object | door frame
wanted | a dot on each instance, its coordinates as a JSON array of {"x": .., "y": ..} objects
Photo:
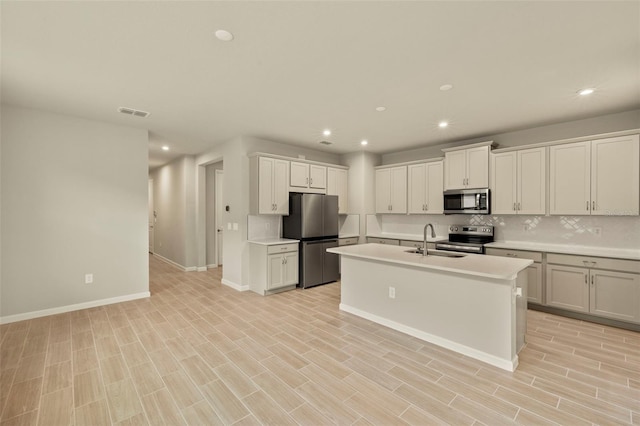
[
  {"x": 151, "y": 217},
  {"x": 219, "y": 203}
]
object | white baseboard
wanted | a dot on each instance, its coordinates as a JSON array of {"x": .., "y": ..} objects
[
  {"x": 177, "y": 265},
  {"x": 201, "y": 269},
  {"x": 509, "y": 365},
  {"x": 75, "y": 307},
  {"x": 212, "y": 266},
  {"x": 234, "y": 285}
]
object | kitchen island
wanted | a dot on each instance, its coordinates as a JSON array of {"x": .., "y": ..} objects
[{"x": 474, "y": 305}]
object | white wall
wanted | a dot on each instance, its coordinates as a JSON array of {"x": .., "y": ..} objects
[
  {"x": 174, "y": 202},
  {"x": 361, "y": 185},
  {"x": 74, "y": 201},
  {"x": 571, "y": 129}
]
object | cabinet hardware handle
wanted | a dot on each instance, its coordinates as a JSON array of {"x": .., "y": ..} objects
[
  {"x": 426, "y": 207},
  {"x": 519, "y": 207},
  {"x": 593, "y": 205},
  {"x": 587, "y": 206},
  {"x": 514, "y": 206},
  {"x": 307, "y": 181},
  {"x": 311, "y": 181},
  {"x": 592, "y": 281},
  {"x": 585, "y": 279}
]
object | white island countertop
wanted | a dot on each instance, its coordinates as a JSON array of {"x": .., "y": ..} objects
[
  {"x": 630, "y": 254},
  {"x": 501, "y": 268},
  {"x": 273, "y": 241},
  {"x": 406, "y": 237}
]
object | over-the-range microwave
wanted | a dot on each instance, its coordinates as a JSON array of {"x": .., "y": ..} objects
[{"x": 467, "y": 201}]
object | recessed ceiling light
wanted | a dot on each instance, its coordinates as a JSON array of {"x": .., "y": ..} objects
[
  {"x": 446, "y": 87},
  {"x": 381, "y": 108},
  {"x": 224, "y": 35},
  {"x": 585, "y": 92},
  {"x": 165, "y": 148},
  {"x": 326, "y": 132},
  {"x": 364, "y": 142},
  {"x": 443, "y": 124}
]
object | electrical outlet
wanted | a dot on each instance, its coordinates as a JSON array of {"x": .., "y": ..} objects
[
  {"x": 596, "y": 231},
  {"x": 88, "y": 278},
  {"x": 525, "y": 227},
  {"x": 229, "y": 226},
  {"x": 392, "y": 292},
  {"x": 235, "y": 226}
]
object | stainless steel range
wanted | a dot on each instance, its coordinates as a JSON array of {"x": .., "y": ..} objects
[{"x": 467, "y": 239}]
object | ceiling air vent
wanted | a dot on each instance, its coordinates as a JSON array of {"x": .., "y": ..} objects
[
  {"x": 134, "y": 112},
  {"x": 326, "y": 142}
]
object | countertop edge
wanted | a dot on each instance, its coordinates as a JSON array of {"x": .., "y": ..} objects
[
  {"x": 628, "y": 254},
  {"x": 273, "y": 241}
]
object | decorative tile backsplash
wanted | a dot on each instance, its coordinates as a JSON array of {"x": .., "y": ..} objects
[{"x": 603, "y": 231}]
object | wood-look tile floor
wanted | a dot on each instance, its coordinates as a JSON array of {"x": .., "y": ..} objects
[{"x": 199, "y": 353}]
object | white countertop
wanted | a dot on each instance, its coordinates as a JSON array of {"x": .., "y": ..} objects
[
  {"x": 501, "y": 268},
  {"x": 273, "y": 241},
  {"x": 567, "y": 249},
  {"x": 408, "y": 237}
]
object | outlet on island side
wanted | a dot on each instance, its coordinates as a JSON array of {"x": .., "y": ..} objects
[
  {"x": 88, "y": 278},
  {"x": 392, "y": 292}
]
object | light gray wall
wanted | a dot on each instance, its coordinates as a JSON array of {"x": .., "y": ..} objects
[
  {"x": 74, "y": 201},
  {"x": 174, "y": 202},
  {"x": 361, "y": 185},
  {"x": 211, "y": 211},
  {"x": 571, "y": 129}
]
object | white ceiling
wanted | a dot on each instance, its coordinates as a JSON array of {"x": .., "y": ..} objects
[{"x": 296, "y": 68}]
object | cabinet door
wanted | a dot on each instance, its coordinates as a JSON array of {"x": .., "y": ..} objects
[
  {"x": 478, "y": 167},
  {"x": 265, "y": 186},
  {"x": 615, "y": 176},
  {"x": 615, "y": 295},
  {"x": 383, "y": 190},
  {"x": 570, "y": 178},
  {"x": 531, "y": 181},
  {"x": 455, "y": 169},
  {"x": 398, "y": 193},
  {"x": 317, "y": 176},
  {"x": 275, "y": 271},
  {"x": 337, "y": 184},
  {"x": 435, "y": 187},
  {"x": 290, "y": 272},
  {"x": 534, "y": 286},
  {"x": 417, "y": 175},
  {"x": 280, "y": 189},
  {"x": 568, "y": 287},
  {"x": 299, "y": 174},
  {"x": 503, "y": 183}
]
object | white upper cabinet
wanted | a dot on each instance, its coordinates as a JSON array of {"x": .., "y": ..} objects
[
  {"x": 600, "y": 177},
  {"x": 305, "y": 176},
  {"x": 269, "y": 186},
  {"x": 615, "y": 176},
  {"x": 338, "y": 184},
  {"x": 467, "y": 168},
  {"x": 391, "y": 190},
  {"x": 518, "y": 182},
  {"x": 425, "y": 188}
]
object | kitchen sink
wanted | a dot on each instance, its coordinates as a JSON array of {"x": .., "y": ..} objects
[{"x": 437, "y": 253}]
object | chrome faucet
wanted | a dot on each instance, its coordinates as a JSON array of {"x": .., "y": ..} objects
[{"x": 425, "y": 251}]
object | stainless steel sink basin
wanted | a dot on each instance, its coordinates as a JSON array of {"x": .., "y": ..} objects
[{"x": 437, "y": 253}]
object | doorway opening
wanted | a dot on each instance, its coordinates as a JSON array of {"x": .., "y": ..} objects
[{"x": 214, "y": 214}]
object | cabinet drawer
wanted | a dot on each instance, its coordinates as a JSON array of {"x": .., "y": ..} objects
[
  {"x": 520, "y": 254},
  {"x": 347, "y": 241},
  {"x": 416, "y": 244},
  {"x": 595, "y": 262},
  {"x": 388, "y": 241},
  {"x": 282, "y": 248}
]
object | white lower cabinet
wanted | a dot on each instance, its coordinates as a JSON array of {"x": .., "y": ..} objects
[
  {"x": 535, "y": 275},
  {"x": 273, "y": 267},
  {"x": 603, "y": 292}
]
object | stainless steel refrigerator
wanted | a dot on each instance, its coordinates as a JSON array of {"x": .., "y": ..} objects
[{"x": 313, "y": 219}]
